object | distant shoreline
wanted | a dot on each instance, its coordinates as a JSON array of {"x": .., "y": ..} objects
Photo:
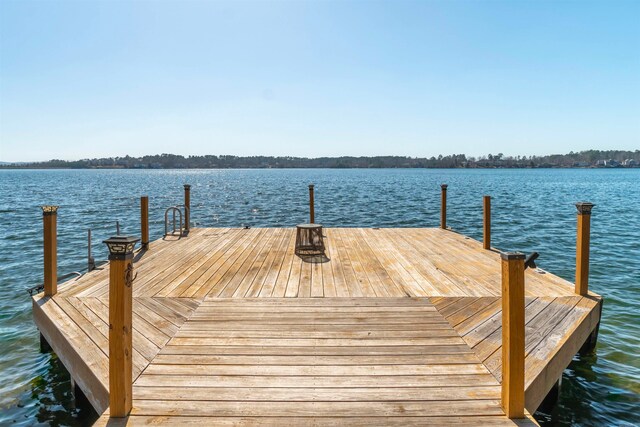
[
  {"x": 595, "y": 159},
  {"x": 3, "y": 167}
]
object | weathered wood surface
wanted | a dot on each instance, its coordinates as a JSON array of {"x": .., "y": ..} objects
[
  {"x": 398, "y": 325},
  {"x": 78, "y": 329},
  {"x": 555, "y": 329},
  {"x": 276, "y": 361},
  {"x": 363, "y": 262}
]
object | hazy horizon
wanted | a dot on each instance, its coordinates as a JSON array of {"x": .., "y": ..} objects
[{"x": 317, "y": 79}]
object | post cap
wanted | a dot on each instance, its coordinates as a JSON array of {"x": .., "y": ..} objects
[
  {"x": 509, "y": 256},
  {"x": 121, "y": 247},
  {"x": 187, "y": 186},
  {"x": 584, "y": 208},
  {"x": 49, "y": 210},
  {"x": 444, "y": 187},
  {"x": 310, "y": 186}
]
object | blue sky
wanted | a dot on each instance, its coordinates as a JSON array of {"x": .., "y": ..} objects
[{"x": 91, "y": 79}]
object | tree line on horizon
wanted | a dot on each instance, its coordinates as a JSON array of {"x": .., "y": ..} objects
[{"x": 589, "y": 158}]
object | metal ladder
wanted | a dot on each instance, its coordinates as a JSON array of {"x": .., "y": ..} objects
[{"x": 173, "y": 210}]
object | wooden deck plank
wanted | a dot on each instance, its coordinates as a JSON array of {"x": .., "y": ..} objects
[
  {"x": 205, "y": 284},
  {"x": 300, "y": 394},
  {"x": 317, "y": 280},
  {"x": 139, "y": 361},
  {"x": 282, "y": 279},
  {"x": 180, "y": 267},
  {"x": 378, "y": 350},
  {"x": 293, "y": 283},
  {"x": 304, "y": 287},
  {"x": 190, "y": 283},
  {"x": 207, "y": 254},
  {"x": 399, "y": 269},
  {"x": 268, "y": 274},
  {"x": 353, "y": 287},
  {"x": 362, "y": 275},
  {"x": 243, "y": 279},
  {"x": 238, "y": 267},
  {"x": 334, "y": 409},
  {"x": 361, "y": 381},
  {"x": 314, "y": 360},
  {"x": 316, "y": 371}
]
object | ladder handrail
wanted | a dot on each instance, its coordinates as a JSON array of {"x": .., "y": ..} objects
[{"x": 173, "y": 210}]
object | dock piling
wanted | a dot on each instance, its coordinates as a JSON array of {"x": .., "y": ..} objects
[
  {"x": 486, "y": 222},
  {"x": 443, "y": 206},
  {"x": 582, "y": 247},
  {"x": 45, "y": 347},
  {"x": 120, "y": 324},
  {"x": 513, "y": 334},
  {"x": 50, "y": 219},
  {"x": 144, "y": 222},
  {"x": 312, "y": 214},
  {"x": 187, "y": 206},
  {"x": 91, "y": 262}
]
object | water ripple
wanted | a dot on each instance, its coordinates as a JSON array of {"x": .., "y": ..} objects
[{"x": 532, "y": 211}]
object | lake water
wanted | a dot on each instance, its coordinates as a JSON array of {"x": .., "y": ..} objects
[{"x": 532, "y": 210}]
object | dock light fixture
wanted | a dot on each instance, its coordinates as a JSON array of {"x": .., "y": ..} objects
[
  {"x": 49, "y": 210},
  {"x": 121, "y": 247}
]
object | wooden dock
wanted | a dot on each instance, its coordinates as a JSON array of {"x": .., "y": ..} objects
[{"x": 396, "y": 326}]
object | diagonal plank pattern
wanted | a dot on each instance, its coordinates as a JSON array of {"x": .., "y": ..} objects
[
  {"x": 399, "y": 326},
  {"x": 84, "y": 345},
  {"x": 479, "y": 322},
  {"x": 260, "y": 262}
]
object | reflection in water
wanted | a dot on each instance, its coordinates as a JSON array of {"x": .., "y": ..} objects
[
  {"x": 48, "y": 400},
  {"x": 53, "y": 400},
  {"x": 587, "y": 395}
]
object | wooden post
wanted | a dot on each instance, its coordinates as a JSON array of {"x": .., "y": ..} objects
[
  {"x": 187, "y": 204},
  {"x": 486, "y": 223},
  {"x": 312, "y": 214},
  {"x": 49, "y": 219},
  {"x": 443, "y": 206},
  {"x": 513, "y": 334},
  {"x": 91, "y": 262},
  {"x": 120, "y": 325},
  {"x": 582, "y": 247},
  {"x": 144, "y": 222}
]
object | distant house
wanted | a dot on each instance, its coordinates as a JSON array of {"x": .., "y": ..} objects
[
  {"x": 601, "y": 163},
  {"x": 630, "y": 163},
  {"x": 612, "y": 163}
]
